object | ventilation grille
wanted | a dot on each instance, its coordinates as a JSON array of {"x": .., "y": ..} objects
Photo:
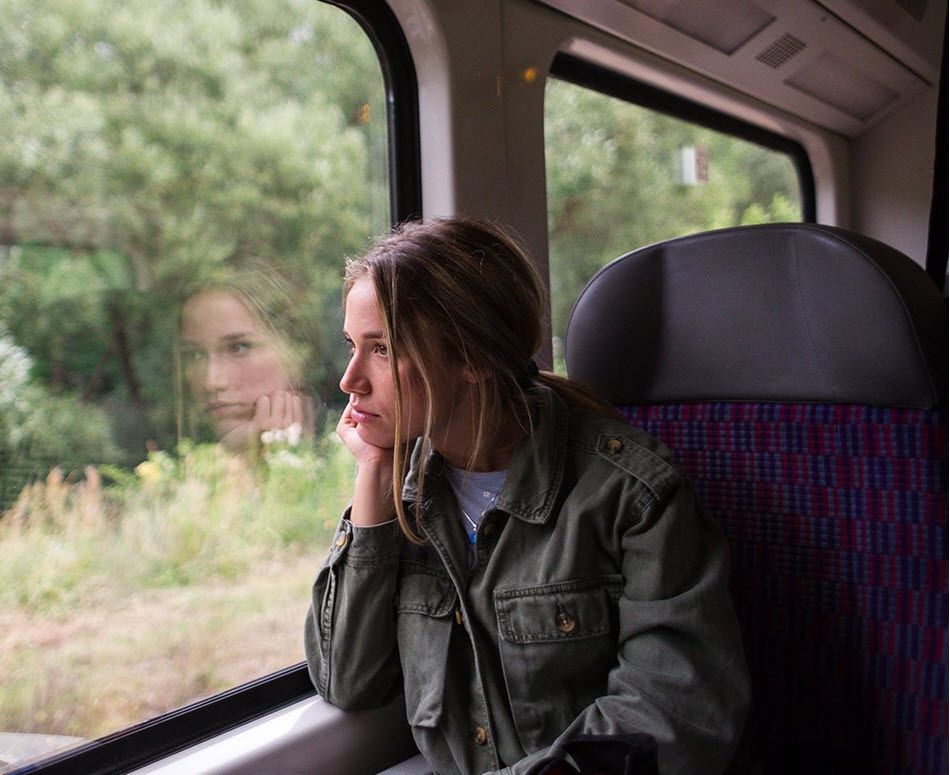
[
  {"x": 916, "y": 8},
  {"x": 781, "y": 51}
]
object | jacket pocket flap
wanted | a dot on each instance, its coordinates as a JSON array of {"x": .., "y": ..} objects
[
  {"x": 564, "y": 610},
  {"x": 427, "y": 594}
]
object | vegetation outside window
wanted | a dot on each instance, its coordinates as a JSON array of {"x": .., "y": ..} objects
[
  {"x": 622, "y": 176},
  {"x": 181, "y": 182}
]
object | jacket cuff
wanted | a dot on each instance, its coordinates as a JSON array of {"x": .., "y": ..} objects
[{"x": 359, "y": 545}]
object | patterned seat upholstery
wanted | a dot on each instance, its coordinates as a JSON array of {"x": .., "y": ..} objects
[{"x": 832, "y": 490}]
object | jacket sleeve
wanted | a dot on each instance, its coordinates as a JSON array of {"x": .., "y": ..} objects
[
  {"x": 350, "y": 631},
  {"x": 680, "y": 675}
]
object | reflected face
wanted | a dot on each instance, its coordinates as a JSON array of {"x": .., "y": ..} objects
[
  {"x": 369, "y": 382},
  {"x": 228, "y": 360}
]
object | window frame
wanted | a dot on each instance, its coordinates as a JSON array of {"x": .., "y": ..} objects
[
  {"x": 581, "y": 72},
  {"x": 155, "y": 738},
  {"x": 402, "y": 102}
]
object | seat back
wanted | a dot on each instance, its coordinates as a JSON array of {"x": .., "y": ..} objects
[{"x": 798, "y": 372}]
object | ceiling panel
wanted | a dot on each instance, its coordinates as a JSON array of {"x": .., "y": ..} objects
[{"x": 840, "y": 64}]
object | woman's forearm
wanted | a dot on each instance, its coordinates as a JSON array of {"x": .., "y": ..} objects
[
  {"x": 350, "y": 632},
  {"x": 373, "y": 494}
]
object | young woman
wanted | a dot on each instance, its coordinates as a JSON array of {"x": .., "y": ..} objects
[
  {"x": 542, "y": 570},
  {"x": 242, "y": 353}
]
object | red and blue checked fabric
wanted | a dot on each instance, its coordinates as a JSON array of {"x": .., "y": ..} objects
[{"x": 837, "y": 522}]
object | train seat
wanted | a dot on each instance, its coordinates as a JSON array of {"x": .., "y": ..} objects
[{"x": 799, "y": 373}]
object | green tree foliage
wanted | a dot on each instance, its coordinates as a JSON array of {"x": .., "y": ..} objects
[
  {"x": 614, "y": 183},
  {"x": 39, "y": 430},
  {"x": 146, "y": 143}
]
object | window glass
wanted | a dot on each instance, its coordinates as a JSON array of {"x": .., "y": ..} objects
[
  {"x": 180, "y": 181},
  {"x": 621, "y": 176}
]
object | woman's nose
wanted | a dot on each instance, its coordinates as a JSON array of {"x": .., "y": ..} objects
[
  {"x": 353, "y": 379},
  {"x": 216, "y": 376}
]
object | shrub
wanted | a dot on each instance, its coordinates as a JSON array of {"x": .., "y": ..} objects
[{"x": 175, "y": 519}]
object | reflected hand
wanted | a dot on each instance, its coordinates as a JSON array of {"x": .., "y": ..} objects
[{"x": 285, "y": 412}]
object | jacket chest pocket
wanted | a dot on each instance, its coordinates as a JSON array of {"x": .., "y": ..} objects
[
  {"x": 424, "y": 608},
  {"x": 558, "y": 642}
]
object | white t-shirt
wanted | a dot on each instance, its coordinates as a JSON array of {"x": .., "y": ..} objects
[{"x": 476, "y": 492}]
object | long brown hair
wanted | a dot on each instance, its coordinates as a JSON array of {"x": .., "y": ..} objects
[{"x": 462, "y": 290}]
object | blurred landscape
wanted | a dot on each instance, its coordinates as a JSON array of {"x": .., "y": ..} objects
[{"x": 187, "y": 577}]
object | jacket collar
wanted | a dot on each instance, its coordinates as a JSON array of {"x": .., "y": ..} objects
[{"x": 536, "y": 470}]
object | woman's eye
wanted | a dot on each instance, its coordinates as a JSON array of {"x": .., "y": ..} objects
[
  {"x": 239, "y": 348},
  {"x": 192, "y": 356},
  {"x": 381, "y": 349}
]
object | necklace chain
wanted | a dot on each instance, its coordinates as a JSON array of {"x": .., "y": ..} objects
[
  {"x": 474, "y": 531},
  {"x": 471, "y": 521}
]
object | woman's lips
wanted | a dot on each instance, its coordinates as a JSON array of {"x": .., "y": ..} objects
[{"x": 360, "y": 416}]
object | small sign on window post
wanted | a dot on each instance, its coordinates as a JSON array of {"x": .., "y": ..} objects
[{"x": 694, "y": 165}]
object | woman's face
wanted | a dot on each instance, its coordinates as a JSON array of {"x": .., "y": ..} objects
[
  {"x": 368, "y": 380},
  {"x": 229, "y": 361}
]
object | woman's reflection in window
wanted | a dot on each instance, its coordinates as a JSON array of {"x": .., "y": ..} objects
[{"x": 243, "y": 349}]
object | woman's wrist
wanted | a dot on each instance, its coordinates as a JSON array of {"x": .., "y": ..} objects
[{"x": 373, "y": 493}]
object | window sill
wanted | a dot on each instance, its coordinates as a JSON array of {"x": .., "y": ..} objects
[{"x": 308, "y": 736}]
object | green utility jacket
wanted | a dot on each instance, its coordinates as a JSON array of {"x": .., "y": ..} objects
[{"x": 597, "y": 605}]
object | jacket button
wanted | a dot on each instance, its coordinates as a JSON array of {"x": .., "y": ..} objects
[
  {"x": 341, "y": 540},
  {"x": 614, "y": 446},
  {"x": 488, "y": 528},
  {"x": 565, "y": 623},
  {"x": 481, "y": 735}
]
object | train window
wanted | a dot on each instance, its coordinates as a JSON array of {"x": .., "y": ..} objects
[
  {"x": 182, "y": 182},
  {"x": 628, "y": 166}
]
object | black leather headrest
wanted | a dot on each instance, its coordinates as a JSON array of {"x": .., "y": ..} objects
[{"x": 779, "y": 312}]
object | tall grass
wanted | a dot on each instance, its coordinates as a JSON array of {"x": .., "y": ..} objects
[
  {"x": 175, "y": 520},
  {"x": 124, "y": 594}
]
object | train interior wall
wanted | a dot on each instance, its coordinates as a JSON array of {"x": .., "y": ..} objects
[{"x": 892, "y": 168}]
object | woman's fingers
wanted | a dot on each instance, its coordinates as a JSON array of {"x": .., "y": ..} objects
[
  {"x": 279, "y": 409},
  {"x": 295, "y": 410},
  {"x": 346, "y": 430},
  {"x": 283, "y": 416},
  {"x": 308, "y": 415},
  {"x": 346, "y": 421},
  {"x": 262, "y": 413}
]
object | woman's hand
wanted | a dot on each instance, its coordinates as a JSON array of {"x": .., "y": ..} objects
[
  {"x": 363, "y": 451},
  {"x": 285, "y": 415},
  {"x": 372, "y": 491}
]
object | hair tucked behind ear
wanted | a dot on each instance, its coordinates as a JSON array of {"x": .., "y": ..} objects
[{"x": 462, "y": 290}]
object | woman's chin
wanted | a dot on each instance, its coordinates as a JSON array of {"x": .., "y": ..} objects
[{"x": 226, "y": 426}]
